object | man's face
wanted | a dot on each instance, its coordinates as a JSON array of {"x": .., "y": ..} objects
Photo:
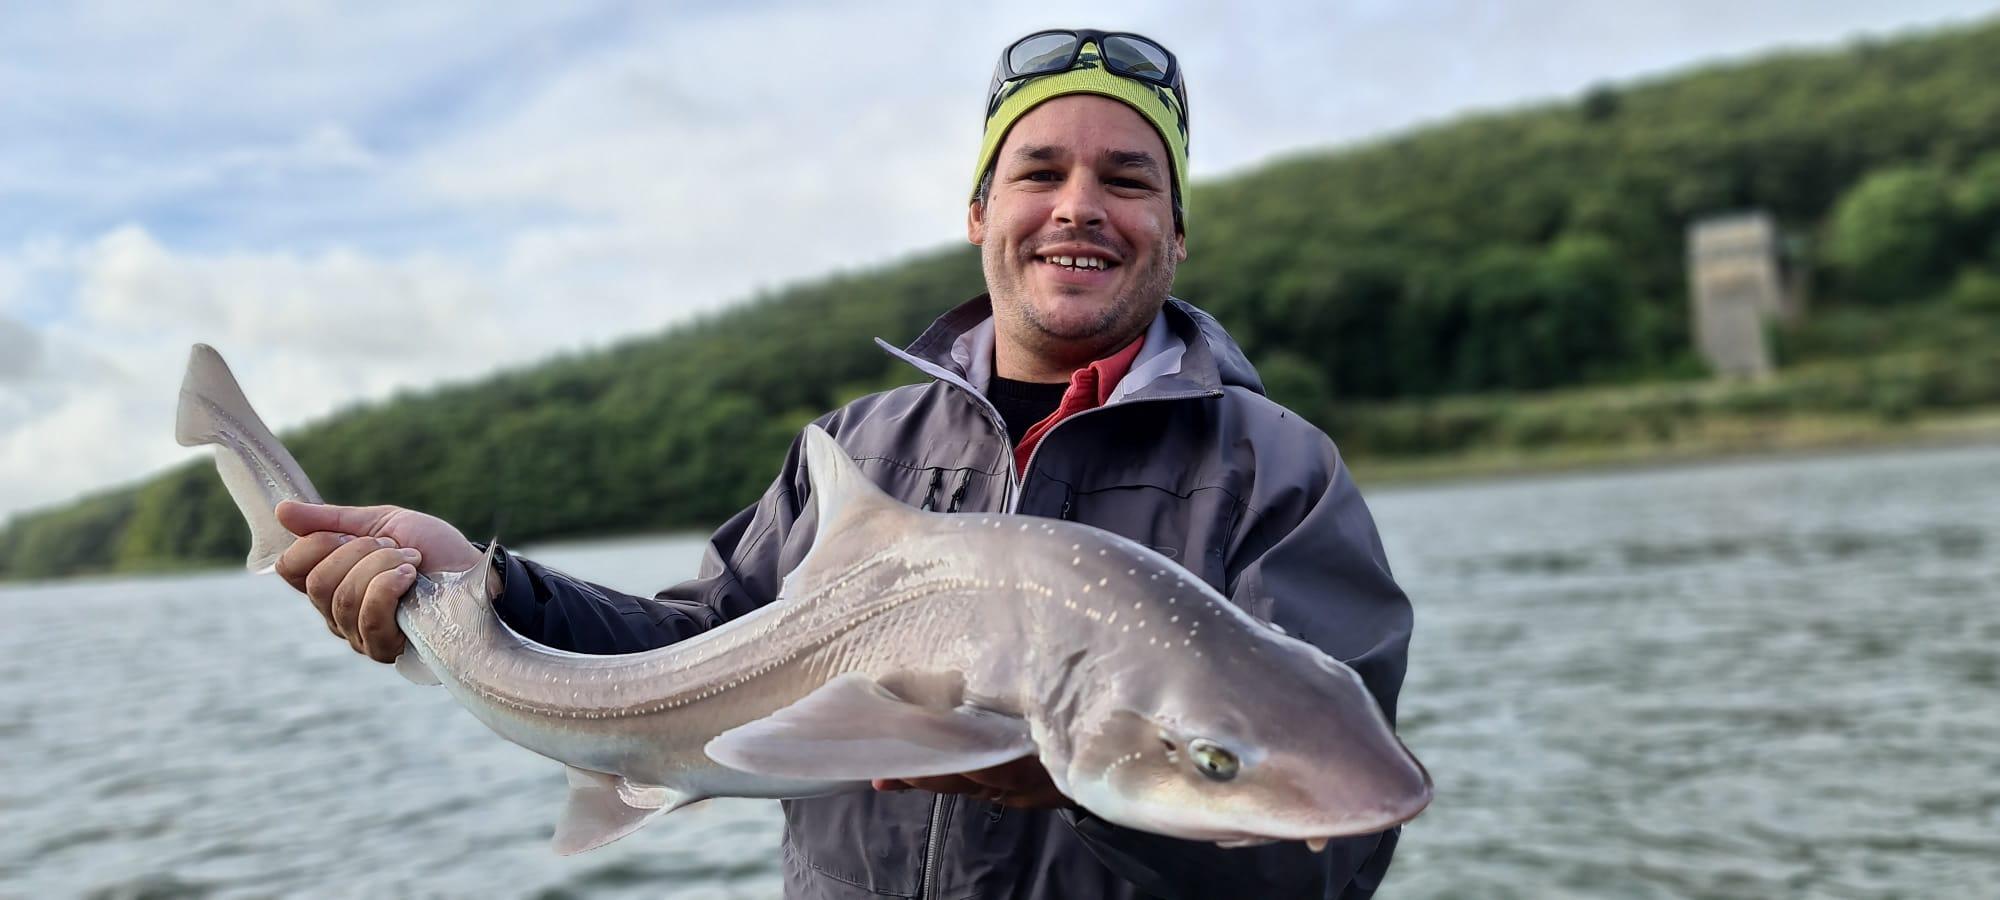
[{"x": 1083, "y": 177}]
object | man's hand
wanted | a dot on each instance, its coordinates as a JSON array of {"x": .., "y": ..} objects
[
  {"x": 1021, "y": 784},
  {"x": 355, "y": 563}
]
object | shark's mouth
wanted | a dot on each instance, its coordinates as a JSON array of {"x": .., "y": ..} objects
[{"x": 1232, "y": 829}]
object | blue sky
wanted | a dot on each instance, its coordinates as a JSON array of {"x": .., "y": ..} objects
[{"x": 353, "y": 198}]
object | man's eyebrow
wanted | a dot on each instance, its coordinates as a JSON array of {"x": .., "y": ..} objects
[
  {"x": 1132, "y": 159},
  {"x": 1037, "y": 153},
  {"x": 1122, "y": 159}
]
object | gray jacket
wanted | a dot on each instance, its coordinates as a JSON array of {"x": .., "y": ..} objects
[{"x": 1189, "y": 457}]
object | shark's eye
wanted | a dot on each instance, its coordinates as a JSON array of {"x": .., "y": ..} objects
[{"x": 1215, "y": 762}]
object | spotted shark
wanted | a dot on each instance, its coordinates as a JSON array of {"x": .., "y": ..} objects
[{"x": 905, "y": 644}]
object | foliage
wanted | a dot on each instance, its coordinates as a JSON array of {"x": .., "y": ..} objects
[
  {"x": 1892, "y": 388},
  {"x": 1379, "y": 286},
  {"x": 1977, "y": 292},
  {"x": 1891, "y": 236}
]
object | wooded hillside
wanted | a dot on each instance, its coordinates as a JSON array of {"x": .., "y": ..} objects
[{"x": 1517, "y": 251}]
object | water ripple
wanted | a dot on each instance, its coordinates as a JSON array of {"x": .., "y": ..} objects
[{"x": 1755, "y": 680}]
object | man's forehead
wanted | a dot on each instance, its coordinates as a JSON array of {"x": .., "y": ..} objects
[{"x": 1084, "y": 124}]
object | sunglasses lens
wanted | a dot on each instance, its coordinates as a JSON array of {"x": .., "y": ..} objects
[
  {"x": 1135, "y": 57},
  {"x": 1041, "y": 53}
]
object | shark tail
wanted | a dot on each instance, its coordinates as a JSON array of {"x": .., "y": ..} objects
[{"x": 258, "y": 471}]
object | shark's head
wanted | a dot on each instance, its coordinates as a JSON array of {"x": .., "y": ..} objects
[{"x": 1260, "y": 740}]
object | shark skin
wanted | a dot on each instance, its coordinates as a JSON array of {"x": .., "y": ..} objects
[{"x": 905, "y": 644}]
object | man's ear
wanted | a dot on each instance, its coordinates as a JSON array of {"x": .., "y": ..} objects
[
  {"x": 1180, "y": 246},
  {"x": 975, "y": 222}
]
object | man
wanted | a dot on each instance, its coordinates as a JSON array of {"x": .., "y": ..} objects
[{"x": 1076, "y": 388}]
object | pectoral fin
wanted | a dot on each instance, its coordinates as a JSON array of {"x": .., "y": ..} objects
[
  {"x": 852, "y": 728},
  {"x": 603, "y": 808},
  {"x": 411, "y": 666}
]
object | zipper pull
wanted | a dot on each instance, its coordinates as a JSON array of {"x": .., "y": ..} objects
[
  {"x": 958, "y": 494},
  {"x": 930, "y": 496},
  {"x": 1068, "y": 493}
]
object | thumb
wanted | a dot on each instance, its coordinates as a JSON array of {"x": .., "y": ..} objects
[{"x": 305, "y": 518}]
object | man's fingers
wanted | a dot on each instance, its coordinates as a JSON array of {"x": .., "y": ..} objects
[
  {"x": 1011, "y": 784},
  {"x": 347, "y": 597},
  {"x": 1021, "y": 774},
  {"x": 326, "y": 577},
  {"x": 995, "y": 777},
  {"x": 376, "y": 622},
  {"x": 306, "y": 518},
  {"x": 945, "y": 784},
  {"x": 1045, "y": 798},
  {"x": 299, "y": 559}
]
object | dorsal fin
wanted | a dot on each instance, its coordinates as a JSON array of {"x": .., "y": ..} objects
[
  {"x": 840, "y": 492},
  {"x": 838, "y": 485}
]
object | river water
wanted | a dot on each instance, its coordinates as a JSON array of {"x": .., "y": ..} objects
[{"x": 1763, "y": 679}]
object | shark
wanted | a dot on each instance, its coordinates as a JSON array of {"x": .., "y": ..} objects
[{"x": 904, "y": 644}]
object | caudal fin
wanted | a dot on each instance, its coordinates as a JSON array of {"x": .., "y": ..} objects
[{"x": 259, "y": 471}]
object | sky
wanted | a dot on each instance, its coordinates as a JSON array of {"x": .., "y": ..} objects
[{"x": 351, "y": 199}]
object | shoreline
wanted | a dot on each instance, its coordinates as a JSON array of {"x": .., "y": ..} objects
[
  {"x": 1795, "y": 437},
  {"x": 1718, "y": 441}
]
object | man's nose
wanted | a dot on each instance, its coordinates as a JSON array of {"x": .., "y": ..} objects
[{"x": 1081, "y": 202}]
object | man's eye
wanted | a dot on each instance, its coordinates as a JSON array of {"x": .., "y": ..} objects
[
  {"x": 1130, "y": 183},
  {"x": 1042, "y": 176}
]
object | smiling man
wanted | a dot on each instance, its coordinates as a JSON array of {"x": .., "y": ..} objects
[
  {"x": 1075, "y": 388},
  {"x": 1077, "y": 235}
]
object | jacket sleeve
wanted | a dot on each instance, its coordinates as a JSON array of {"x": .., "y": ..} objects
[
  {"x": 740, "y": 571},
  {"x": 1307, "y": 557}
]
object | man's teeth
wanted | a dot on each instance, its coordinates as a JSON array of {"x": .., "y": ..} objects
[{"x": 1077, "y": 262}]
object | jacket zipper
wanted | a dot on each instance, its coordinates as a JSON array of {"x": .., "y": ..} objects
[
  {"x": 1010, "y": 502},
  {"x": 1014, "y": 501},
  {"x": 933, "y": 850},
  {"x": 927, "y": 889}
]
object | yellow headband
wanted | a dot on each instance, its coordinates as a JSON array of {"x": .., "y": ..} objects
[{"x": 1157, "y": 105}]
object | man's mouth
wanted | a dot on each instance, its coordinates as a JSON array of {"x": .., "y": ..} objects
[
  {"x": 1078, "y": 258},
  {"x": 1079, "y": 263}
]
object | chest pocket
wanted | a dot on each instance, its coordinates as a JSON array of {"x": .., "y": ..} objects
[
  {"x": 946, "y": 491},
  {"x": 931, "y": 488},
  {"x": 1193, "y": 530}
]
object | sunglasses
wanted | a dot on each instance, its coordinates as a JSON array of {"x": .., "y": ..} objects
[{"x": 1125, "y": 54}]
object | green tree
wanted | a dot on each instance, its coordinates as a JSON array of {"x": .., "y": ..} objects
[
  {"x": 1976, "y": 206},
  {"x": 1891, "y": 237},
  {"x": 1298, "y": 384}
]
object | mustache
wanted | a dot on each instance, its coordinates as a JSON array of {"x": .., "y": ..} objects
[{"x": 1092, "y": 236}]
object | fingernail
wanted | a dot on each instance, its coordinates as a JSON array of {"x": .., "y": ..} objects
[
  {"x": 411, "y": 554},
  {"x": 342, "y": 539},
  {"x": 385, "y": 542},
  {"x": 406, "y": 570}
]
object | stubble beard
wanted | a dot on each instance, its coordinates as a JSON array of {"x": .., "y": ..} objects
[{"x": 1076, "y": 342}]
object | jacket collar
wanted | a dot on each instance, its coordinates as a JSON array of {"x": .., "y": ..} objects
[{"x": 958, "y": 348}]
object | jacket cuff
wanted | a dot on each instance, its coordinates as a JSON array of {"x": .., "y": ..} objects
[{"x": 517, "y": 604}]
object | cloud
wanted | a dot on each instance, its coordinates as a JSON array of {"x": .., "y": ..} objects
[
  {"x": 20, "y": 351},
  {"x": 351, "y": 204},
  {"x": 306, "y": 333}
]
